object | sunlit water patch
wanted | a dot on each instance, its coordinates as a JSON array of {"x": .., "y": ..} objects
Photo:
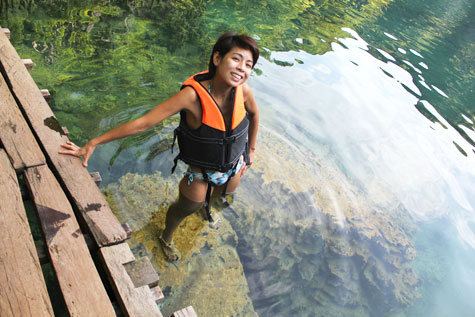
[{"x": 362, "y": 112}]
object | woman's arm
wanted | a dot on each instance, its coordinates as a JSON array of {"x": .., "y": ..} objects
[
  {"x": 184, "y": 99},
  {"x": 253, "y": 115}
]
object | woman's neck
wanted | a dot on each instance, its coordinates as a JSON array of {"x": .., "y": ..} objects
[{"x": 218, "y": 89}]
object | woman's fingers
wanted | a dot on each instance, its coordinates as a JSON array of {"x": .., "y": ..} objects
[{"x": 72, "y": 149}]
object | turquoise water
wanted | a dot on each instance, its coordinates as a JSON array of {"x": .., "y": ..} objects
[{"x": 367, "y": 131}]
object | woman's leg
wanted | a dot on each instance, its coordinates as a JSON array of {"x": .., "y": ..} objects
[{"x": 191, "y": 198}]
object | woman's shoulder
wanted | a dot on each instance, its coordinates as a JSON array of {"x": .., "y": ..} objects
[
  {"x": 188, "y": 94},
  {"x": 188, "y": 98},
  {"x": 247, "y": 91}
]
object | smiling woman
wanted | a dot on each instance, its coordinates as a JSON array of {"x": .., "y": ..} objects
[{"x": 217, "y": 132}]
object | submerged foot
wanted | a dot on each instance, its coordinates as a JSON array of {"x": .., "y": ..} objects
[{"x": 171, "y": 252}]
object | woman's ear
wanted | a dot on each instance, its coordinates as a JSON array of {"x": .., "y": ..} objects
[{"x": 216, "y": 58}]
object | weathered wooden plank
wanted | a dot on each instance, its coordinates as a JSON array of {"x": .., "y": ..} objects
[
  {"x": 134, "y": 301},
  {"x": 185, "y": 312},
  {"x": 15, "y": 134},
  {"x": 81, "y": 286},
  {"x": 43, "y": 252},
  {"x": 101, "y": 221},
  {"x": 22, "y": 287}
]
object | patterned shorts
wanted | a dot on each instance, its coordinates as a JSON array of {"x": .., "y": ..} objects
[{"x": 218, "y": 178}]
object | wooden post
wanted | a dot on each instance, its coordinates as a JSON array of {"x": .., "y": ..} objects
[
  {"x": 157, "y": 294},
  {"x": 142, "y": 273},
  {"x": 6, "y": 32},
  {"x": 96, "y": 177},
  {"x": 46, "y": 94},
  {"x": 127, "y": 229},
  {"x": 28, "y": 63}
]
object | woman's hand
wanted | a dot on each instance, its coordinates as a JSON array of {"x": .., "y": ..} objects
[{"x": 72, "y": 149}]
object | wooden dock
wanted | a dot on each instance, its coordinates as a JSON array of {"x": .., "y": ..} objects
[{"x": 77, "y": 223}]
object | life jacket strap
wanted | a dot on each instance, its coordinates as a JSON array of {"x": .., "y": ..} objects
[
  {"x": 208, "y": 195},
  {"x": 174, "y": 138},
  {"x": 175, "y": 162},
  {"x": 247, "y": 158}
]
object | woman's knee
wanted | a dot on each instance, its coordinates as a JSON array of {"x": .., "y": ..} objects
[
  {"x": 194, "y": 191},
  {"x": 188, "y": 206}
]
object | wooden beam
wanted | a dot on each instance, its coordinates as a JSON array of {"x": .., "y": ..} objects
[
  {"x": 28, "y": 63},
  {"x": 15, "y": 133},
  {"x": 135, "y": 301},
  {"x": 96, "y": 212},
  {"x": 96, "y": 177},
  {"x": 157, "y": 294},
  {"x": 185, "y": 312},
  {"x": 6, "y": 32},
  {"x": 46, "y": 94},
  {"x": 142, "y": 273},
  {"x": 22, "y": 287},
  {"x": 127, "y": 229},
  {"x": 79, "y": 281}
]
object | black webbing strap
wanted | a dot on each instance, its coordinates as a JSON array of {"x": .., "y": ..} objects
[
  {"x": 174, "y": 138},
  {"x": 175, "y": 162},
  {"x": 208, "y": 196}
]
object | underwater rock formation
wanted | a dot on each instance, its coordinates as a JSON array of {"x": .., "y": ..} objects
[
  {"x": 337, "y": 250},
  {"x": 310, "y": 241},
  {"x": 209, "y": 276}
]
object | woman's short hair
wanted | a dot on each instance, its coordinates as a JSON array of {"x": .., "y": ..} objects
[{"x": 230, "y": 40}]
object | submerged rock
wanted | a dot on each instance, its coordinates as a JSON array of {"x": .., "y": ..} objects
[
  {"x": 209, "y": 276},
  {"x": 310, "y": 241},
  {"x": 336, "y": 249}
]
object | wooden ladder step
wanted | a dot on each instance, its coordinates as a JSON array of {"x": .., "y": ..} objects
[{"x": 22, "y": 286}]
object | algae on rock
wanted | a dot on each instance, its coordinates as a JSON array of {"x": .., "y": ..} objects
[
  {"x": 335, "y": 248},
  {"x": 209, "y": 276}
]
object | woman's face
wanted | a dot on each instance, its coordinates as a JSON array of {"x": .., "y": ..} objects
[{"x": 235, "y": 67}]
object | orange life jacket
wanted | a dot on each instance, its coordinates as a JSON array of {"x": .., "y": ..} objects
[{"x": 213, "y": 146}]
